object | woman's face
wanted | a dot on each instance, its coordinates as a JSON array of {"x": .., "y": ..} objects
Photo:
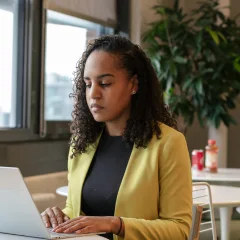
[{"x": 108, "y": 88}]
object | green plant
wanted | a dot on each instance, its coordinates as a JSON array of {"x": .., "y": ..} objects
[{"x": 197, "y": 58}]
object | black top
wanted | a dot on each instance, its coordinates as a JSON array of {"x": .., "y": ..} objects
[{"x": 104, "y": 177}]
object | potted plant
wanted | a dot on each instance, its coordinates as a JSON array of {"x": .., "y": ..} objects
[{"x": 197, "y": 58}]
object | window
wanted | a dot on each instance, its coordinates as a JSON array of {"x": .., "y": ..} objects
[
  {"x": 20, "y": 68},
  {"x": 11, "y": 63},
  {"x": 66, "y": 38}
]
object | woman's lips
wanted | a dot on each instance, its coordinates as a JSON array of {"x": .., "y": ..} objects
[{"x": 96, "y": 107}]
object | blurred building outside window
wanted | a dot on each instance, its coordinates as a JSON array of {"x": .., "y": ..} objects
[{"x": 66, "y": 38}]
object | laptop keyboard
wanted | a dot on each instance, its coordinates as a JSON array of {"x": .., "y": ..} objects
[
  {"x": 61, "y": 235},
  {"x": 55, "y": 235}
]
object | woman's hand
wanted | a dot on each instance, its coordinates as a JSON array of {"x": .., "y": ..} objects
[
  {"x": 87, "y": 224},
  {"x": 52, "y": 217}
]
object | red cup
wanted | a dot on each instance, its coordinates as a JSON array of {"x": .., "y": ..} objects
[{"x": 198, "y": 159}]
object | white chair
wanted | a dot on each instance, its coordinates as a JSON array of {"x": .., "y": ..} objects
[
  {"x": 202, "y": 204},
  {"x": 196, "y": 221}
]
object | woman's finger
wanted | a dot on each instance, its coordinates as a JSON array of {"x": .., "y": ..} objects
[
  {"x": 85, "y": 230},
  {"x": 73, "y": 228},
  {"x": 58, "y": 214},
  {"x": 67, "y": 222},
  {"x": 66, "y": 218},
  {"x": 62, "y": 225},
  {"x": 46, "y": 219},
  {"x": 52, "y": 217},
  {"x": 68, "y": 226}
]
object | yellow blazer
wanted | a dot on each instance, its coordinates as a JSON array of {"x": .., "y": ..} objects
[{"x": 155, "y": 195}]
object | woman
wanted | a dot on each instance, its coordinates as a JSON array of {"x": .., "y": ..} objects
[{"x": 129, "y": 170}]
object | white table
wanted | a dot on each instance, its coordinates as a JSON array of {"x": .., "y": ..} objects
[
  {"x": 15, "y": 237},
  {"x": 224, "y": 197},
  {"x": 63, "y": 191},
  {"x": 223, "y": 175}
]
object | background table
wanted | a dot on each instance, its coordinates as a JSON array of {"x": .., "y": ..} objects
[
  {"x": 224, "y": 197},
  {"x": 223, "y": 175},
  {"x": 63, "y": 191}
]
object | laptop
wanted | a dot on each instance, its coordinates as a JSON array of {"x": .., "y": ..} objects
[{"x": 18, "y": 213}]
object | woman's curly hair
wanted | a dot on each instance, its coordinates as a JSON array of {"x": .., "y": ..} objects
[{"x": 147, "y": 105}]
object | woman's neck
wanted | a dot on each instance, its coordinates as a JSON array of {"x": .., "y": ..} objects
[{"x": 115, "y": 128}]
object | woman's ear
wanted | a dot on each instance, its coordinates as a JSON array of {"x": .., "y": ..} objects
[{"x": 134, "y": 81}]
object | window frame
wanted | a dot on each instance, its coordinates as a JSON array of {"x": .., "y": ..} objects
[{"x": 28, "y": 75}]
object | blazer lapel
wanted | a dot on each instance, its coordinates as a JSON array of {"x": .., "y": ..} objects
[
  {"x": 126, "y": 182},
  {"x": 80, "y": 170}
]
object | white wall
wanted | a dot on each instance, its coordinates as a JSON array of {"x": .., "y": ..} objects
[
  {"x": 234, "y": 140},
  {"x": 141, "y": 15},
  {"x": 234, "y": 131}
]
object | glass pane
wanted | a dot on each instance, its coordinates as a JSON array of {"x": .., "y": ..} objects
[
  {"x": 8, "y": 62},
  {"x": 66, "y": 38}
]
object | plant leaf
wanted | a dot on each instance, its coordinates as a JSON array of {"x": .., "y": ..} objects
[
  {"x": 199, "y": 86},
  {"x": 187, "y": 83},
  {"x": 180, "y": 60},
  {"x": 214, "y": 35},
  {"x": 237, "y": 64},
  {"x": 156, "y": 64},
  {"x": 222, "y": 37},
  {"x": 230, "y": 103}
]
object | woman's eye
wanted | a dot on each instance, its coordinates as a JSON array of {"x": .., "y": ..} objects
[
  {"x": 88, "y": 85},
  {"x": 105, "y": 84}
]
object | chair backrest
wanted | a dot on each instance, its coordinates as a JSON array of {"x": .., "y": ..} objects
[
  {"x": 202, "y": 204},
  {"x": 196, "y": 221}
]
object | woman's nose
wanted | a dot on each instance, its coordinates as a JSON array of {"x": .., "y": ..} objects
[{"x": 95, "y": 91}]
